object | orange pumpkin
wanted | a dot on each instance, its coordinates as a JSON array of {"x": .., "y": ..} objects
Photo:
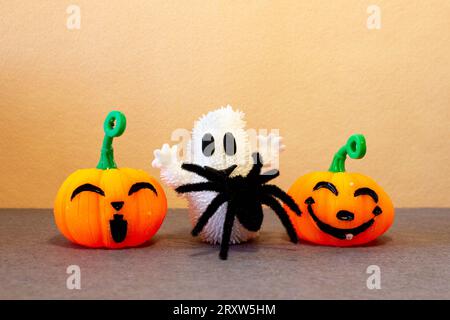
[
  {"x": 110, "y": 207},
  {"x": 341, "y": 208}
]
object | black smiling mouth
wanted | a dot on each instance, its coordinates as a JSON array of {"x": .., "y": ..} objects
[
  {"x": 119, "y": 228},
  {"x": 342, "y": 234}
]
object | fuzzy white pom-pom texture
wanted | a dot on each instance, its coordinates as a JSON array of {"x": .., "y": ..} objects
[{"x": 217, "y": 124}]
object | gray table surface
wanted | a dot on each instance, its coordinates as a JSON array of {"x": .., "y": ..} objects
[{"x": 413, "y": 256}]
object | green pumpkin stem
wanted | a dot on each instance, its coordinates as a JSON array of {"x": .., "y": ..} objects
[
  {"x": 355, "y": 148},
  {"x": 114, "y": 125}
]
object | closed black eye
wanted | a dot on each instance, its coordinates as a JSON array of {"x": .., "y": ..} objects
[
  {"x": 326, "y": 185},
  {"x": 141, "y": 185},
  {"x": 87, "y": 187},
  {"x": 229, "y": 144},
  {"x": 208, "y": 147},
  {"x": 367, "y": 191}
]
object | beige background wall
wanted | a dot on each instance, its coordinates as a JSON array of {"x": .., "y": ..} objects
[{"x": 310, "y": 68}]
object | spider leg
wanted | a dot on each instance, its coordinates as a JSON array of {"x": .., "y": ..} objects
[
  {"x": 222, "y": 173},
  {"x": 209, "y": 212},
  {"x": 268, "y": 175},
  {"x": 201, "y": 186},
  {"x": 257, "y": 165},
  {"x": 226, "y": 233},
  {"x": 282, "y": 215},
  {"x": 199, "y": 170},
  {"x": 283, "y": 196}
]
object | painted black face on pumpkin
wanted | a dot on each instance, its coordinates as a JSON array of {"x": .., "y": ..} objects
[
  {"x": 118, "y": 225},
  {"x": 343, "y": 215}
]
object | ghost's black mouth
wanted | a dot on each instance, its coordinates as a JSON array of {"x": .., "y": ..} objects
[
  {"x": 342, "y": 234},
  {"x": 118, "y": 227}
]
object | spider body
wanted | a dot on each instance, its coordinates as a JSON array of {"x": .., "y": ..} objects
[
  {"x": 244, "y": 197},
  {"x": 223, "y": 187}
]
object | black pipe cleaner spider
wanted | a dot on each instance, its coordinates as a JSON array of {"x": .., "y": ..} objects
[{"x": 245, "y": 197}]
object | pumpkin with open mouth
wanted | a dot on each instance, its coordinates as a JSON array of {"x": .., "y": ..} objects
[
  {"x": 341, "y": 208},
  {"x": 108, "y": 206}
]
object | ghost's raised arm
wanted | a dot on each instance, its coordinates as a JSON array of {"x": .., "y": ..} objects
[{"x": 166, "y": 159}]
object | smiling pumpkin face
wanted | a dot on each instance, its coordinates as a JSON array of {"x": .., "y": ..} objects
[
  {"x": 112, "y": 208},
  {"x": 340, "y": 208},
  {"x": 107, "y": 206}
]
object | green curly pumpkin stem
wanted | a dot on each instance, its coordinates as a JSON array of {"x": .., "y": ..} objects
[
  {"x": 355, "y": 148},
  {"x": 114, "y": 125}
]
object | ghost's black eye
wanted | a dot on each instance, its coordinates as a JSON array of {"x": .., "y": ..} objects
[
  {"x": 208, "y": 144},
  {"x": 229, "y": 144}
]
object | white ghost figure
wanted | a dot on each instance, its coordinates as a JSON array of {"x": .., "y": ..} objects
[{"x": 219, "y": 140}]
